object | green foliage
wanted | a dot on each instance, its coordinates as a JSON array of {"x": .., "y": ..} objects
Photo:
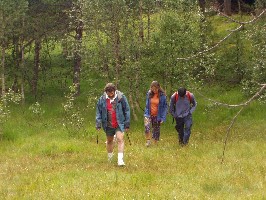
[
  {"x": 36, "y": 109},
  {"x": 176, "y": 36},
  {"x": 5, "y": 101},
  {"x": 72, "y": 118},
  {"x": 256, "y": 72},
  {"x": 9, "y": 97},
  {"x": 12, "y": 13}
]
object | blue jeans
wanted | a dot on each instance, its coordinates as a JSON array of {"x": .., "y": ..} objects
[{"x": 183, "y": 127}]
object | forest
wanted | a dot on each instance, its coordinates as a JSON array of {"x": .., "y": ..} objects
[{"x": 56, "y": 58}]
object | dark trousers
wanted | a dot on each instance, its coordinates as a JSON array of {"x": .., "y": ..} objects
[{"x": 183, "y": 127}]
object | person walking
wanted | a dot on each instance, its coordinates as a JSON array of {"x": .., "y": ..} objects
[
  {"x": 113, "y": 115},
  {"x": 182, "y": 105},
  {"x": 155, "y": 112}
]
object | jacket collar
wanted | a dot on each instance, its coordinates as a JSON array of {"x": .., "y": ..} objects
[{"x": 111, "y": 100}]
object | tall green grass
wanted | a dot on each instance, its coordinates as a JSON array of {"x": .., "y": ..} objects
[{"x": 40, "y": 160}]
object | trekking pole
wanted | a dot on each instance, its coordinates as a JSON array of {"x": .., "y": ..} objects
[
  {"x": 128, "y": 138},
  {"x": 97, "y": 140}
]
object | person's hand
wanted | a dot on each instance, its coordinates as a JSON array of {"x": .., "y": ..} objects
[
  {"x": 126, "y": 129},
  {"x": 98, "y": 128},
  {"x": 161, "y": 122}
]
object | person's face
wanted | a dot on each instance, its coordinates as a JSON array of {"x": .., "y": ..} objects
[
  {"x": 110, "y": 94},
  {"x": 154, "y": 89}
]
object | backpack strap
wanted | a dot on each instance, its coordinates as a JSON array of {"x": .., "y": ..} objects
[
  {"x": 176, "y": 96},
  {"x": 187, "y": 94}
]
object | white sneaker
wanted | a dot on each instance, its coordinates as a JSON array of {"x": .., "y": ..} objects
[
  {"x": 148, "y": 143},
  {"x": 121, "y": 163}
]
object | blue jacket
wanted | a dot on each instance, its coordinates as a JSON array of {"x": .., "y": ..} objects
[
  {"x": 122, "y": 112},
  {"x": 162, "y": 110}
]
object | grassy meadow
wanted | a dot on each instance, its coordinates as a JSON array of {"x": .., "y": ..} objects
[{"x": 41, "y": 160}]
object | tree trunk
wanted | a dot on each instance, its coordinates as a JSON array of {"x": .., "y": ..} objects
[
  {"x": 202, "y": 5},
  {"x": 141, "y": 31},
  {"x": 227, "y": 7},
  {"x": 102, "y": 55},
  {"x": 77, "y": 58},
  {"x": 116, "y": 46},
  {"x": 131, "y": 100},
  {"x": 23, "y": 77},
  {"x": 36, "y": 68},
  {"x": 149, "y": 24},
  {"x": 136, "y": 91},
  {"x": 3, "y": 71}
]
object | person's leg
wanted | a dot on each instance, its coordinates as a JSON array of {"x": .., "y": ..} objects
[
  {"x": 180, "y": 129},
  {"x": 109, "y": 142},
  {"x": 156, "y": 129},
  {"x": 147, "y": 125},
  {"x": 187, "y": 129},
  {"x": 121, "y": 146}
]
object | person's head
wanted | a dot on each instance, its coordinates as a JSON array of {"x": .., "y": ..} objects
[
  {"x": 182, "y": 92},
  {"x": 155, "y": 88},
  {"x": 110, "y": 89}
]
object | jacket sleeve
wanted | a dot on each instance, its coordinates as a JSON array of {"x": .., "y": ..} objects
[
  {"x": 146, "y": 111},
  {"x": 193, "y": 103},
  {"x": 98, "y": 114},
  {"x": 165, "y": 108},
  {"x": 172, "y": 105},
  {"x": 126, "y": 112}
]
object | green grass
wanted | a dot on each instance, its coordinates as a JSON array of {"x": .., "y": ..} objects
[
  {"x": 46, "y": 166},
  {"x": 40, "y": 160}
]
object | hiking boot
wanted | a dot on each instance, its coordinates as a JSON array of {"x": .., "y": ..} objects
[
  {"x": 110, "y": 157},
  {"x": 148, "y": 143},
  {"x": 121, "y": 163}
]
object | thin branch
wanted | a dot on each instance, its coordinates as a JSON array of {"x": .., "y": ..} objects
[
  {"x": 239, "y": 22},
  {"x": 226, "y": 37},
  {"x": 236, "y": 105},
  {"x": 228, "y": 131},
  {"x": 243, "y": 105},
  {"x": 213, "y": 47},
  {"x": 234, "y": 119}
]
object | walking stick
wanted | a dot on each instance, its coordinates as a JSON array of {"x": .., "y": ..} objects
[
  {"x": 97, "y": 138},
  {"x": 128, "y": 138}
]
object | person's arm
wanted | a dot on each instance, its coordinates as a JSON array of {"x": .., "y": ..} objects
[
  {"x": 98, "y": 115},
  {"x": 126, "y": 113},
  {"x": 165, "y": 108},
  {"x": 172, "y": 105},
  {"x": 193, "y": 103},
  {"x": 146, "y": 111}
]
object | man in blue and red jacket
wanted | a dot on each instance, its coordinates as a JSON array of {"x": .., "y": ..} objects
[
  {"x": 113, "y": 114},
  {"x": 182, "y": 105}
]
